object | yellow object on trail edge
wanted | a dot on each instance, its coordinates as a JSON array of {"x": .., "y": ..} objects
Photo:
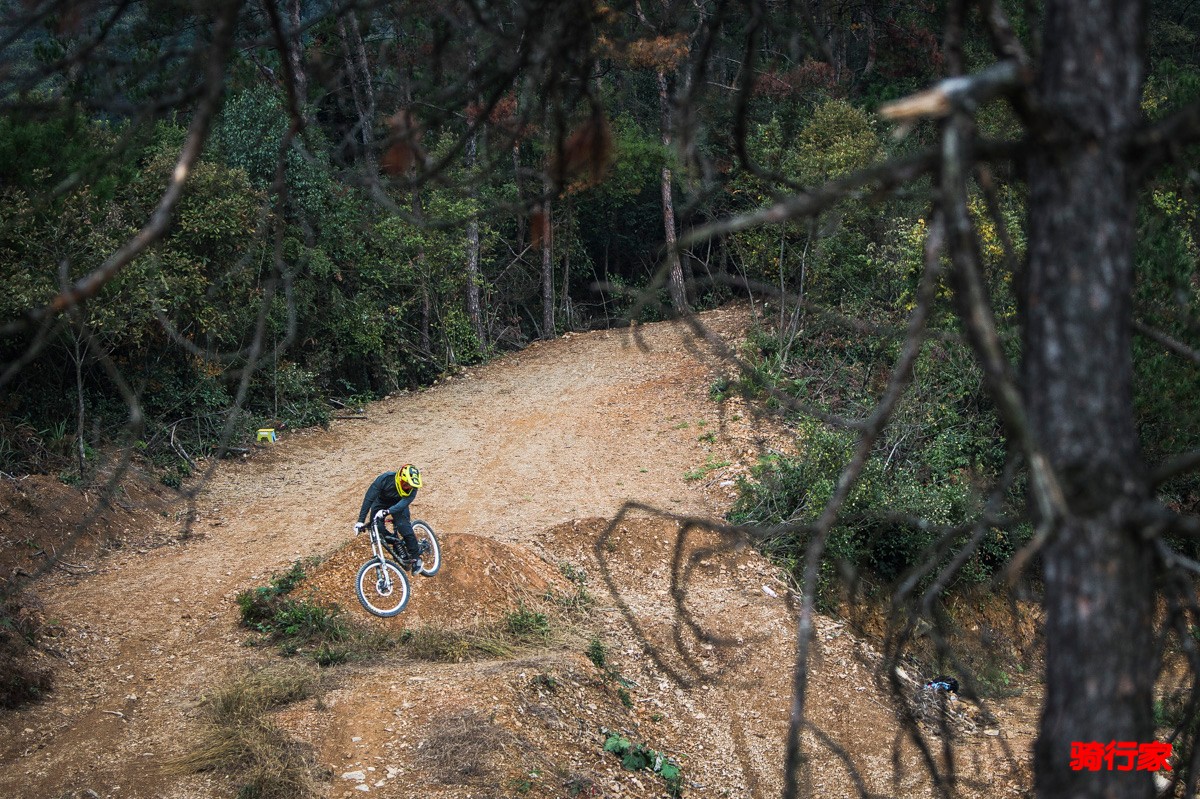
[{"x": 267, "y": 434}]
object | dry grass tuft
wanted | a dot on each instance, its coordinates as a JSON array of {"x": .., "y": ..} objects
[
  {"x": 521, "y": 631},
  {"x": 22, "y": 678},
  {"x": 462, "y": 749},
  {"x": 440, "y": 645},
  {"x": 239, "y": 739}
]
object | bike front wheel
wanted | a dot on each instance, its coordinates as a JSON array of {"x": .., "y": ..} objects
[
  {"x": 431, "y": 550},
  {"x": 382, "y": 587}
]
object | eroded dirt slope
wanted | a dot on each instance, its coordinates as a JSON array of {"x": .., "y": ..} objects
[{"x": 526, "y": 458}]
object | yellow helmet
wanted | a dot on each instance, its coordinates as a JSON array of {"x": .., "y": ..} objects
[{"x": 407, "y": 475}]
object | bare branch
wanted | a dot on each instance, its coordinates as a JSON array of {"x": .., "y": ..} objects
[
  {"x": 1004, "y": 39},
  {"x": 1178, "y": 465},
  {"x": 901, "y": 377},
  {"x": 975, "y": 309},
  {"x": 1162, "y": 141},
  {"x": 881, "y": 177},
  {"x": 1172, "y": 344},
  {"x": 870, "y": 181},
  {"x": 964, "y": 93}
]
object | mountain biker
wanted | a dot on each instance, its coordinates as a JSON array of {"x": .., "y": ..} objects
[{"x": 390, "y": 495}]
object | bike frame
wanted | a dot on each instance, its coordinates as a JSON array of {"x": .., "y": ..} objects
[{"x": 379, "y": 550}]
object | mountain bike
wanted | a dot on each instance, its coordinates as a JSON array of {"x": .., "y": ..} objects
[{"x": 382, "y": 584}]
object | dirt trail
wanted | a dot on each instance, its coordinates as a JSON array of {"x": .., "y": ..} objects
[{"x": 518, "y": 452}]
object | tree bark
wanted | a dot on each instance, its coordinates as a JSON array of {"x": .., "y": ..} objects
[
  {"x": 364, "y": 95},
  {"x": 517, "y": 185},
  {"x": 80, "y": 349},
  {"x": 295, "y": 55},
  {"x": 675, "y": 271},
  {"x": 474, "y": 312},
  {"x": 1076, "y": 305},
  {"x": 565, "y": 294},
  {"x": 548, "y": 331}
]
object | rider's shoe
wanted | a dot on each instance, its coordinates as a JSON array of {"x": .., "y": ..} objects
[{"x": 416, "y": 565}]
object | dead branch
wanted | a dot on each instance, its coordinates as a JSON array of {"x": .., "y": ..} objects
[
  {"x": 1165, "y": 140},
  {"x": 965, "y": 93},
  {"x": 1178, "y": 465},
  {"x": 1174, "y": 345},
  {"x": 899, "y": 381}
]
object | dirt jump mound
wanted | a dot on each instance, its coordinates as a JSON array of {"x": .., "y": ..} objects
[{"x": 480, "y": 581}]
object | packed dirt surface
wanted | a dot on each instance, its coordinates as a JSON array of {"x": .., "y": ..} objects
[{"x": 529, "y": 463}]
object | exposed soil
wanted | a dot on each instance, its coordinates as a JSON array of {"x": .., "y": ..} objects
[{"x": 528, "y": 462}]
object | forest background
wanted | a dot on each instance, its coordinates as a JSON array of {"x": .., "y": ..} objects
[{"x": 218, "y": 217}]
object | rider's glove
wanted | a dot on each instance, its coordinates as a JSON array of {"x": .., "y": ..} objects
[
  {"x": 380, "y": 515},
  {"x": 358, "y": 527}
]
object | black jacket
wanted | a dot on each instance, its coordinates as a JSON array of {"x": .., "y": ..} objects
[{"x": 383, "y": 494}]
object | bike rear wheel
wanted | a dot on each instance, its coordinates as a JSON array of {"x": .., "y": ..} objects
[
  {"x": 382, "y": 587},
  {"x": 431, "y": 554}
]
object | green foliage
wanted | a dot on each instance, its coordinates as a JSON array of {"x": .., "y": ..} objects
[
  {"x": 616, "y": 221},
  {"x": 249, "y": 134},
  {"x": 303, "y": 403},
  {"x": 524, "y": 625},
  {"x": 828, "y": 259},
  {"x": 924, "y": 474},
  {"x": 839, "y": 138},
  {"x": 38, "y": 152},
  {"x": 353, "y": 283},
  {"x": 597, "y": 653},
  {"x": 710, "y": 465},
  {"x": 298, "y": 625},
  {"x": 579, "y": 601},
  {"x": 638, "y": 757},
  {"x": 889, "y": 520}
]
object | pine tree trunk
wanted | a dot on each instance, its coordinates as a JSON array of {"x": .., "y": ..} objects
[
  {"x": 474, "y": 313},
  {"x": 295, "y": 55},
  {"x": 675, "y": 271},
  {"x": 80, "y": 352},
  {"x": 548, "y": 331},
  {"x": 1079, "y": 377},
  {"x": 565, "y": 294},
  {"x": 360, "y": 86},
  {"x": 516, "y": 159}
]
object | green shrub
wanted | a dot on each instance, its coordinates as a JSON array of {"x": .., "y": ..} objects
[
  {"x": 888, "y": 521},
  {"x": 597, "y": 653},
  {"x": 300, "y": 625},
  {"x": 577, "y": 603},
  {"x": 524, "y": 624},
  {"x": 637, "y": 757}
]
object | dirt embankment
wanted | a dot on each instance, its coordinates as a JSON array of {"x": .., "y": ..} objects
[{"x": 528, "y": 462}]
